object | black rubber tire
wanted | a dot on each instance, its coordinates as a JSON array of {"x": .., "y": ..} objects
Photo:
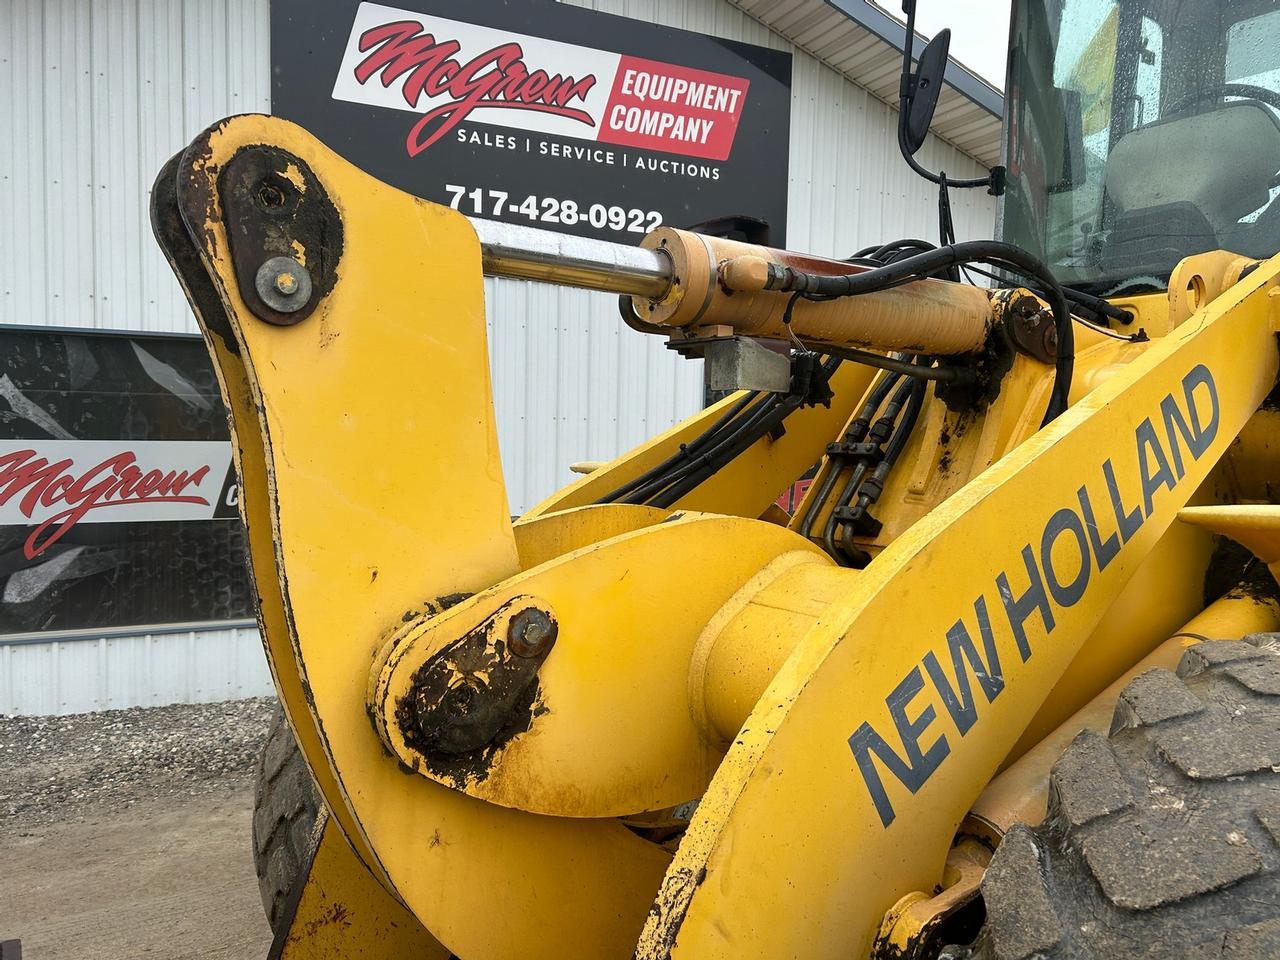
[
  {"x": 287, "y": 817},
  {"x": 1163, "y": 839}
]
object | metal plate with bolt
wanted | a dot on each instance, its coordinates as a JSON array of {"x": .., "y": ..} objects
[{"x": 283, "y": 284}]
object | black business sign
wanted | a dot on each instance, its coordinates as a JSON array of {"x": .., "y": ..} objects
[
  {"x": 117, "y": 492},
  {"x": 539, "y": 113}
]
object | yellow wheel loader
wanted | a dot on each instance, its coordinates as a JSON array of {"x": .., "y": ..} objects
[{"x": 1005, "y": 685}]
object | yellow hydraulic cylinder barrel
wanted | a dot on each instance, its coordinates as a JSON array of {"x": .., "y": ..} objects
[
  {"x": 742, "y": 647},
  {"x": 715, "y": 285}
]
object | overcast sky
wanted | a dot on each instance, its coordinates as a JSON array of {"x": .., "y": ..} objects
[{"x": 979, "y": 30}]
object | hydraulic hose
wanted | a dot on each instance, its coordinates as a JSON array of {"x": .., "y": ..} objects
[
  {"x": 857, "y": 430},
  {"x": 726, "y": 434},
  {"x": 686, "y": 453}
]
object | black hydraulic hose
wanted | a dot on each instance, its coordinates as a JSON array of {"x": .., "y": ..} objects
[
  {"x": 746, "y": 423},
  {"x": 918, "y": 370},
  {"x": 882, "y": 252},
  {"x": 787, "y": 279},
  {"x": 767, "y": 418},
  {"x": 902, "y": 431},
  {"x": 686, "y": 452},
  {"x": 750, "y": 415},
  {"x": 1087, "y": 302},
  {"x": 880, "y": 431},
  {"x": 1097, "y": 305},
  {"x": 846, "y": 494},
  {"x": 872, "y": 405},
  {"x": 897, "y": 442},
  {"x": 731, "y": 449},
  {"x": 872, "y": 489},
  {"x": 884, "y": 426},
  {"x": 824, "y": 491}
]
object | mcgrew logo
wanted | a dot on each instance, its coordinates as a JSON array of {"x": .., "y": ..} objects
[
  {"x": 38, "y": 485},
  {"x": 1094, "y": 527},
  {"x": 455, "y": 73},
  {"x": 497, "y": 77}
]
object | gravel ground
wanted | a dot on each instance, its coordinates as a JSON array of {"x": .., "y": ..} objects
[
  {"x": 60, "y": 769},
  {"x": 125, "y": 834}
]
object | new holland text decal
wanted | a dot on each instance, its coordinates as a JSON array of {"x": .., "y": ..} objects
[{"x": 967, "y": 669}]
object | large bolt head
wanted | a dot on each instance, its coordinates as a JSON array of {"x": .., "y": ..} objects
[
  {"x": 286, "y": 282},
  {"x": 283, "y": 284},
  {"x": 531, "y": 633}
]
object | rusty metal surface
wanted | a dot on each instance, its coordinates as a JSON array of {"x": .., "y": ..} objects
[
  {"x": 274, "y": 207},
  {"x": 467, "y": 701}
]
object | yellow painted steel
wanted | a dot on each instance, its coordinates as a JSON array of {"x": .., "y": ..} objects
[
  {"x": 550, "y": 535},
  {"x": 343, "y": 913},
  {"x": 253, "y": 501},
  {"x": 369, "y": 521},
  {"x": 836, "y": 724},
  {"x": 1021, "y": 792},
  {"x": 1254, "y": 525},
  {"x": 1249, "y": 469},
  {"x": 1165, "y": 591},
  {"x": 1198, "y": 280},
  {"x": 612, "y": 732},
  {"x": 790, "y": 799},
  {"x": 911, "y": 928}
]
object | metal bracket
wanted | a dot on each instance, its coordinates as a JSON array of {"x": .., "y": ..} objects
[
  {"x": 284, "y": 232},
  {"x": 744, "y": 363}
]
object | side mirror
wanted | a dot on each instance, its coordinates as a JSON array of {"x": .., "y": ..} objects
[{"x": 928, "y": 85}]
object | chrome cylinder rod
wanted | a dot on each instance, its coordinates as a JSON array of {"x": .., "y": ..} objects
[{"x": 527, "y": 253}]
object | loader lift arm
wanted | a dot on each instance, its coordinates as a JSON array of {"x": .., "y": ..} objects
[{"x": 536, "y": 689}]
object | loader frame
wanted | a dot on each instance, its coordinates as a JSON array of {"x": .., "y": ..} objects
[{"x": 886, "y": 698}]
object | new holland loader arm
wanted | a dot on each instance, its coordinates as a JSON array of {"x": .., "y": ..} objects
[{"x": 509, "y": 721}]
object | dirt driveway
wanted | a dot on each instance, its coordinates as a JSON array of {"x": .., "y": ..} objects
[{"x": 125, "y": 835}]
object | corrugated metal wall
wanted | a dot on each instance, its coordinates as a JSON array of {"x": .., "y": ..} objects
[
  {"x": 109, "y": 673},
  {"x": 96, "y": 94}
]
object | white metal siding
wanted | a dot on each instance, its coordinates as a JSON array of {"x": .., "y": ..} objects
[
  {"x": 95, "y": 95},
  {"x": 151, "y": 670}
]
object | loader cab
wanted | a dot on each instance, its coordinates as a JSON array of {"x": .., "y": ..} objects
[{"x": 1139, "y": 132}]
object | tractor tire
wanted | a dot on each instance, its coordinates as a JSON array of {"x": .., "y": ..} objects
[
  {"x": 1162, "y": 840},
  {"x": 287, "y": 818}
]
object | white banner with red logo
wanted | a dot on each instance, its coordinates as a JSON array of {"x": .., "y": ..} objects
[
  {"x": 450, "y": 71},
  {"x": 53, "y": 485}
]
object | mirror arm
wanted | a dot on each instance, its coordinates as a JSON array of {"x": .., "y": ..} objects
[{"x": 995, "y": 179}]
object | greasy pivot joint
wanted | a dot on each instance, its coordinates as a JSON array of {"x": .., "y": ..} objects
[{"x": 480, "y": 690}]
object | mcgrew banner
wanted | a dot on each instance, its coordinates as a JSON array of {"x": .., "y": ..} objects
[
  {"x": 540, "y": 113},
  {"x": 117, "y": 492},
  {"x": 459, "y": 70}
]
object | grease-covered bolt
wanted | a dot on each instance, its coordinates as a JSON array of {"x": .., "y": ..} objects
[
  {"x": 531, "y": 633},
  {"x": 458, "y": 701}
]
